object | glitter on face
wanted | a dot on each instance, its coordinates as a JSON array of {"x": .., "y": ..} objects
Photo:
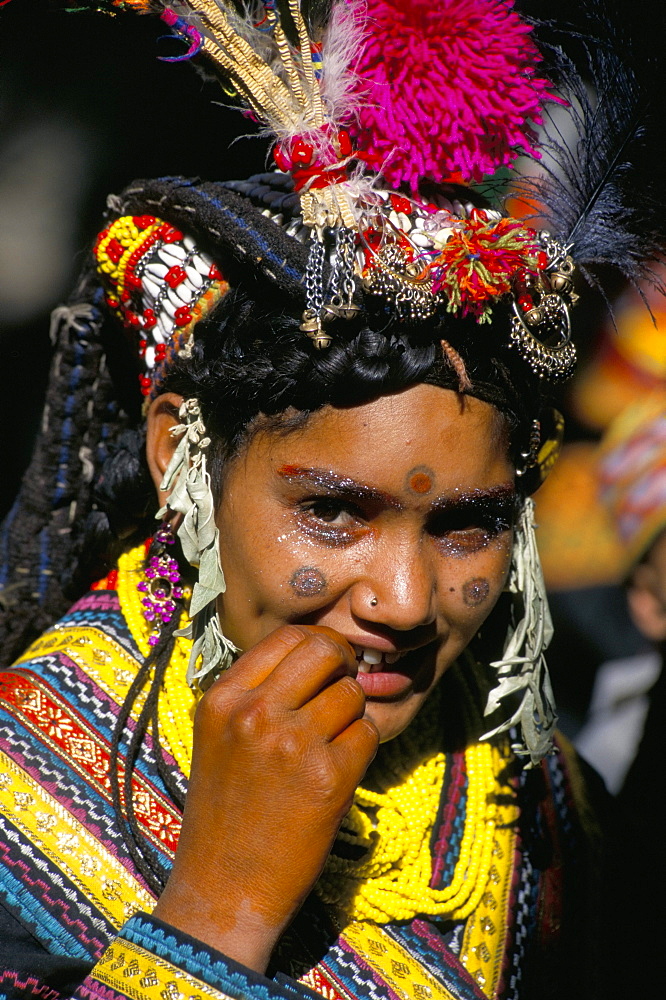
[
  {"x": 308, "y": 581},
  {"x": 475, "y": 592}
]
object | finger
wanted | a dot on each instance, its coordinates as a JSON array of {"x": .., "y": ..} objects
[
  {"x": 255, "y": 665},
  {"x": 355, "y": 748},
  {"x": 331, "y": 711},
  {"x": 319, "y": 659}
]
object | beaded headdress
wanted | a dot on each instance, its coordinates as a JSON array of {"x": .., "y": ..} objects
[
  {"x": 383, "y": 115},
  {"x": 359, "y": 150}
]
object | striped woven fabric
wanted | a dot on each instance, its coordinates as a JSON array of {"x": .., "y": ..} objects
[{"x": 75, "y": 912}]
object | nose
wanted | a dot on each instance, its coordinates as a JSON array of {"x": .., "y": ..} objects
[{"x": 397, "y": 588}]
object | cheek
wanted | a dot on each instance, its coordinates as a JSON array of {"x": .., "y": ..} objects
[
  {"x": 475, "y": 592},
  {"x": 308, "y": 581},
  {"x": 473, "y": 585},
  {"x": 274, "y": 577}
]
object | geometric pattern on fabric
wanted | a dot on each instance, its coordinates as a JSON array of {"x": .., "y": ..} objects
[{"x": 70, "y": 892}]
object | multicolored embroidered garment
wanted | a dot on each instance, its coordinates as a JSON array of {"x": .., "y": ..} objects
[{"x": 75, "y": 912}]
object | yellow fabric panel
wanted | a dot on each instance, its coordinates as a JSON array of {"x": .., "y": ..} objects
[
  {"x": 134, "y": 972},
  {"x": 69, "y": 846}
]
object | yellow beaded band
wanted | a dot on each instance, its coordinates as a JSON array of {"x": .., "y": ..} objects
[{"x": 177, "y": 701}]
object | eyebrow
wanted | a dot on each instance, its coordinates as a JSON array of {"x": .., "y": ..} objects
[
  {"x": 340, "y": 485},
  {"x": 503, "y": 494}
]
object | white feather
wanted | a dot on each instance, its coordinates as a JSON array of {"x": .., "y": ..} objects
[
  {"x": 342, "y": 46},
  {"x": 338, "y": 93}
]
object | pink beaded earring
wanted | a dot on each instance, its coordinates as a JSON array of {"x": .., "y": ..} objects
[{"x": 162, "y": 586}]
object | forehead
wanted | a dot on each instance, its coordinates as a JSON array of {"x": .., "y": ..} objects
[{"x": 424, "y": 429}]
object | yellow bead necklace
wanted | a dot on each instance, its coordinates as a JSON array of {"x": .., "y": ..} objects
[
  {"x": 393, "y": 828},
  {"x": 391, "y": 824}
]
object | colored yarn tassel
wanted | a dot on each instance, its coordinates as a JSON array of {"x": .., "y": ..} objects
[{"x": 451, "y": 89}]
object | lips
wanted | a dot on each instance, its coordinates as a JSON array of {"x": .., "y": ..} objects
[{"x": 384, "y": 674}]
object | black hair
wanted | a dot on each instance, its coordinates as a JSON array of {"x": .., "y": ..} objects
[{"x": 249, "y": 361}]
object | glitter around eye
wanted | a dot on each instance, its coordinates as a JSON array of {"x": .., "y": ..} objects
[
  {"x": 332, "y": 535},
  {"x": 459, "y": 545}
]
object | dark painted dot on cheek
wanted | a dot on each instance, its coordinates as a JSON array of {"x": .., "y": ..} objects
[
  {"x": 475, "y": 592},
  {"x": 308, "y": 581},
  {"x": 452, "y": 590}
]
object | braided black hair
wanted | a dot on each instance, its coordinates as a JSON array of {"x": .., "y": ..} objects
[{"x": 249, "y": 361}]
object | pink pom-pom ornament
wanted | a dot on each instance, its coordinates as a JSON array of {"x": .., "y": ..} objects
[{"x": 451, "y": 89}]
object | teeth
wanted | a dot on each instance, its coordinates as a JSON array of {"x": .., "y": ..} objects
[
  {"x": 368, "y": 658},
  {"x": 372, "y": 656}
]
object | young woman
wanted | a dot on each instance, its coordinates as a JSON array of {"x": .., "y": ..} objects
[
  {"x": 367, "y": 513},
  {"x": 299, "y": 737}
]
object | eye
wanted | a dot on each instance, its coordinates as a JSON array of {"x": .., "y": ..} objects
[
  {"x": 330, "y": 510},
  {"x": 462, "y": 531},
  {"x": 330, "y": 520}
]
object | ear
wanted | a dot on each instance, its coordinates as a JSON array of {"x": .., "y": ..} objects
[
  {"x": 160, "y": 444},
  {"x": 646, "y": 604}
]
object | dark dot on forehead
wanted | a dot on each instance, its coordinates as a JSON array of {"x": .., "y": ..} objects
[
  {"x": 475, "y": 591},
  {"x": 420, "y": 479},
  {"x": 420, "y": 483},
  {"x": 308, "y": 581}
]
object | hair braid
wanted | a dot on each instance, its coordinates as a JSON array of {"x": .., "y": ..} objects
[{"x": 81, "y": 417}]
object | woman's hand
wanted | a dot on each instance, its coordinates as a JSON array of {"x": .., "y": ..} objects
[{"x": 280, "y": 745}]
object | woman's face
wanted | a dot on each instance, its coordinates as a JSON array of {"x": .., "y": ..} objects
[{"x": 388, "y": 522}]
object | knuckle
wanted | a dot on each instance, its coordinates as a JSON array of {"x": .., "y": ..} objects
[
  {"x": 249, "y": 721},
  {"x": 325, "y": 778},
  {"x": 292, "y": 634},
  {"x": 211, "y": 711},
  {"x": 290, "y": 747},
  {"x": 324, "y": 645}
]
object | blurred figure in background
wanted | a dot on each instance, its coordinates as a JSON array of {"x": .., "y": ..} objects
[
  {"x": 632, "y": 480},
  {"x": 624, "y": 734},
  {"x": 585, "y": 560}
]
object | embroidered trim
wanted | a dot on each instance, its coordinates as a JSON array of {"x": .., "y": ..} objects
[
  {"x": 64, "y": 730},
  {"x": 124, "y": 966},
  {"x": 69, "y": 846}
]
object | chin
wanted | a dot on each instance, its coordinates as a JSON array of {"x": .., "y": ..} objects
[{"x": 392, "y": 719}]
